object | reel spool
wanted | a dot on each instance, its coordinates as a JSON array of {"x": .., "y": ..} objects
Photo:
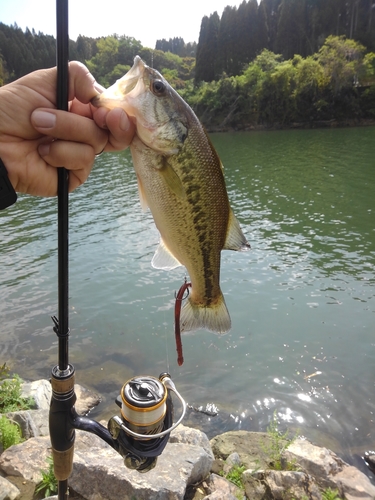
[
  {"x": 146, "y": 419},
  {"x": 144, "y": 405}
]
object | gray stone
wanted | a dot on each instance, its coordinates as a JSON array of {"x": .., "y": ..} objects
[
  {"x": 219, "y": 495},
  {"x": 220, "y": 488},
  {"x": 27, "y": 459},
  {"x": 86, "y": 400},
  {"x": 252, "y": 447},
  {"x": 99, "y": 472},
  {"x": 354, "y": 484},
  {"x": 326, "y": 468},
  {"x": 233, "y": 459},
  {"x": 8, "y": 491},
  {"x": 188, "y": 435},
  {"x": 41, "y": 392},
  {"x": 33, "y": 423},
  {"x": 319, "y": 462},
  {"x": 295, "y": 484},
  {"x": 330, "y": 471},
  {"x": 254, "y": 488}
]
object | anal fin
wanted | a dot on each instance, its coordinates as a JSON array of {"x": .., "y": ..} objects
[{"x": 163, "y": 259}]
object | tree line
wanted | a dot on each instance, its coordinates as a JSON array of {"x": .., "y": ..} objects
[
  {"x": 110, "y": 57},
  {"x": 248, "y": 80},
  {"x": 335, "y": 83},
  {"x": 287, "y": 27}
]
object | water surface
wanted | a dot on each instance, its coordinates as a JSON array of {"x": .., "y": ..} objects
[{"x": 302, "y": 300}]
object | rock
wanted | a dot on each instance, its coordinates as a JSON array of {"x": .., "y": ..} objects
[
  {"x": 8, "y": 491},
  {"x": 187, "y": 435},
  {"x": 369, "y": 457},
  {"x": 251, "y": 447},
  {"x": 86, "y": 400},
  {"x": 233, "y": 459},
  {"x": 99, "y": 472},
  {"x": 41, "y": 392},
  {"x": 330, "y": 471},
  {"x": 219, "y": 495},
  {"x": 354, "y": 484},
  {"x": 219, "y": 488},
  {"x": 33, "y": 423},
  {"x": 295, "y": 484},
  {"x": 27, "y": 459},
  {"x": 320, "y": 467},
  {"x": 254, "y": 489},
  {"x": 319, "y": 462}
]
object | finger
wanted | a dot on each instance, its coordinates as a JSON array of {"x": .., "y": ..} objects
[
  {"x": 69, "y": 127},
  {"x": 76, "y": 157},
  {"x": 82, "y": 84},
  {"x": 121, "y": 128}
]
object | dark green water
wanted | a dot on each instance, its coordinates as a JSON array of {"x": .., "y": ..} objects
[{"x": 302, "y": 301}]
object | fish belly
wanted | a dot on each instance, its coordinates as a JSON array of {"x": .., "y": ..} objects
[{"x": 192, "y": 223}]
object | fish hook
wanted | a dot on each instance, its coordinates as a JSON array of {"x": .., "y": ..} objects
[{"x": 182, "y": 294}]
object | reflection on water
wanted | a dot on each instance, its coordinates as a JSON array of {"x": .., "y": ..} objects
[{"x": 301, "y": 301}]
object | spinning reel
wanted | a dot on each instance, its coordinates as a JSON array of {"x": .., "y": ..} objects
[{"x": 139, "y": 435}]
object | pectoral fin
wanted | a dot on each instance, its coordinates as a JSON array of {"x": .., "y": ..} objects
[
  {"x": 163, "y": 259},
  {"x": 235, "y": 239},
  {"x": 172, "y": 179}
]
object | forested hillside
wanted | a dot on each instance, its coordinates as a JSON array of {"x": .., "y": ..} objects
[
  {"x": 285, "y": 27},
  {"x": 276, "y": 63}
]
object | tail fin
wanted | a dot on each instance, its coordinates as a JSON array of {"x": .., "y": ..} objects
[{"x": 214, "y": 317}]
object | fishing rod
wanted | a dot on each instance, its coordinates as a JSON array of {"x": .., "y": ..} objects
[{"x": 142, "y": 431}]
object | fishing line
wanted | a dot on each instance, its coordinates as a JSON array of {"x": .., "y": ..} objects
[{"x": 166, "y": 341}]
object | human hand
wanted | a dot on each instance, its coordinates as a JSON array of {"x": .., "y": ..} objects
[{"x": 35, "y": 137}]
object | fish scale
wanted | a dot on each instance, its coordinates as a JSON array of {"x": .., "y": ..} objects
[{"x": 180, "y": 178}]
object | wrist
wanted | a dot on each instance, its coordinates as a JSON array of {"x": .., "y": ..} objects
[{"x": 8, "y": 196}]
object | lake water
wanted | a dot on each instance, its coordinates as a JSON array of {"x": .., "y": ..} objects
[{"x": 302, "y": 300}]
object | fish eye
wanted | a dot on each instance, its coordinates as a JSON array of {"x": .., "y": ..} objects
[{"x": 158, "y": 87}]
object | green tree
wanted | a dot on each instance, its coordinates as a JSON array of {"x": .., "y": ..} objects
[
  {"x": 226, "y": 46},
  {"x": 342, "y": 61},
  {"x": 105, "y": 59},
  {"x": 206, "y": 62}
]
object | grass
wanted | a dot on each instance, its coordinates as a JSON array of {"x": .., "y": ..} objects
[
  {"x": 10, "y": 432},
  {"x": 10, "y": 392},
  {"x": 330, "y": 494},
  {"x": 279, "y": 442},
  {"x": 235, "y": 475},
  {"x": 48, "y": 484}
]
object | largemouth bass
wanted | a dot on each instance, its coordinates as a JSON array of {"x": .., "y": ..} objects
[{"x": 180, "y": 178}]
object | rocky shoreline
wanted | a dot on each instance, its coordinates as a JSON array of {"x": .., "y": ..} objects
[{"x": 190, "y": 468}]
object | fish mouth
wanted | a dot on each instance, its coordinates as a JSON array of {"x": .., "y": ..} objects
[{"x": 111, "y": 96}]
